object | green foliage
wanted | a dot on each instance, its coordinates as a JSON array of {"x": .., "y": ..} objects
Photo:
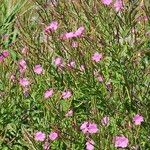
[{"x": 120, "y": 37}]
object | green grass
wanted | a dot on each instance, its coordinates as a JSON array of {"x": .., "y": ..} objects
[{"x": 125, "y": 68}]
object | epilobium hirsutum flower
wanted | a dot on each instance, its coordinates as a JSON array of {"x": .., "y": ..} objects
[
  {"x": 88, "y": 127},
  {"x": 24, "y": 82},
  {"x": 105, "y": 121},
  {"x": 137, "y": 119},
  {"x": 48, "y": 93},
  {"x": 100, "y": 78},
  {"x": 106, "y": 2},
  {"x": 74, "y": 44},
  {"x": 69, "y": 113},
  {"x": 68, "y": 35},
  {"x": 58, "y": 61},
  {"x": 24, "y": 50},
  {"x": 71, "y": 64},
  {"x": 97, "y": 57},
  {"x": 90, "y": 145},
  {"x": 5, "y": 53},
  {"x": 38, "y": 69},
  {"x": 121, "y": 141},
  {"x": 22, "y": 65},
  {"x": 12, "y": 78},
  {"x": 79, "y": 32},
  {"x": 53, "y": 136},
  {"x": 1, "y": 58},
  {"x": 39, "y": 136},
  {"x": 46, "y": 145},
  {"x": 82, "y": 68},
  {"x": 66, "y": 94},
  {"x": 118, "y": 5},
  {"x": 51, "y": 27}
]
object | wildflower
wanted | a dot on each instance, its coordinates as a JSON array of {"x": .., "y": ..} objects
[
  {"x": 97, "y": 57},
  {"x": 48, "y": 93},
  {"x": 39, "y": 136},
  {"x": 100, "y": 78},
  {"x": 121, "y": 141},
  {"x": 52, "y": 27},
  {"x": 24, "y": 50},
  {"x": 82, "y": 68},
  {"x": 74, "y": 44},
  {"x": 118, "y": 5},
  {"x": 22, "y": 65},
  {"x": 38, "y": 69},
  {"x": 53, "y": 136},
  {"x": 88, "y": 127},
  {"x": 46, "y": 145},
  {"x": 142, "y": 18},
  {"x": 24, "y": 82},
  {"x": 105, "y": 121},
  {"x": 66, "y": 94},
  {"x": 72, "y": 34},
  {"x": 72, "y": 64},
  {"x": 90, "y": 145},
  {"x": 106, "y": 2},
  {"x": 58, "y": 61},
  {"x": 137, "y": 119},
  {"x": 79, "y": 32},
  {"x": 68, "y": 35},
  {"x": 69, "y": 113},
  {"x": 1, "y": 58},
  {"x": 5, "y": 53},
  {"x": 12, "y": 78}
]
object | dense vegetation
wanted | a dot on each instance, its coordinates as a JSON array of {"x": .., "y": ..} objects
[{"x": 74, "y": 75}]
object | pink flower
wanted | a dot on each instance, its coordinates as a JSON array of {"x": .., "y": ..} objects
[
  {"x": 137, "y": 119},
  {"x": 105, "y": 121},
  {"x": 69, "y": 113},
  {"x": 106, "y": 2},
  {"x": 82, "y": 68},
  {"x": 74, "y": 44},
  {"x": 100, "y": 78},
  {"x": 72, "y": 64},
  {"x": 46, "y": 145},
  {"x": 88, "y": 127},
  {"x": 68, "y": 35},
  {"x": 72, "y": 34},
  {"x": 84, "y": 127},
  {"x": 118, "y": 5},
  {"x": 38, "y": 69},
  {"x": 24, "y": 82},
  {"x": 142, "y": 18},
  {"x": 92, "y": 128},
  {"x": 90, "y": 145},
  {"x": 121, "y": 141},
  {"x": 5, "y": 53},
  {"x": 39, "y": 136},
  {"x": 79, "y": 32},
  {"x": 22, "y": 65},
  {"x": 12, "y": 78},
  {"x": 97, "y": 57},
  {"x": 52, "y": 27},
  {"x": 24, "y": 50},
  {"x": 48, "y": 93},
  {"x": 1, "y": 58},
  {"x": 53, "y": 136},
  {"x": 58, "y": 61},
  {"x": 66, "y": 94}
]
